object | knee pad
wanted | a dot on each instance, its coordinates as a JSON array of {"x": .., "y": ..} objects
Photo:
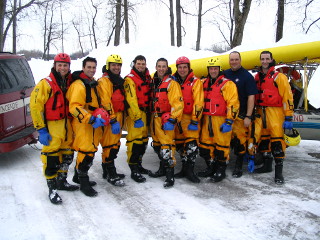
[
  {"x": 166, "y": 157},
  {"x": 191, "y": 149},
  {"x": 67, "y": 158},
  {"x": 86, "y": 163},
  {"x": 53, "y": 165},
  {"x": 165, "y": 153},
  {"x": 276, "y": 149}
]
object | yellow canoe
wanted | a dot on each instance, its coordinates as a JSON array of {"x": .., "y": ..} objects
[{"x": 250, "y": 59}]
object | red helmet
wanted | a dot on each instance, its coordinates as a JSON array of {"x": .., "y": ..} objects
[
  {"x": 62, "y": 57},
  {"x": 102, "y": 113},
  {"x": 182, "y": 60},
  {"x": 165, "y": 117}
]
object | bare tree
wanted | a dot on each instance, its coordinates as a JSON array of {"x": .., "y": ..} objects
[
  {"x": 76, "y": 26},
  {"x": 310, "y": 4},
  {"x": 118, "y": 24},
  {"x": 199, "y": 26},
  {"x": 14, "y": 27},
  {"x": 3, "y": 4},
  {"x": 10, "y": 15},
  {"x": 51, "y": 28},
  {"x": 126, "y": 21},
  {"x": 280, "y": 20},
  {"x": 62, "y": 28},
  {"x": 171, "y": 10},
  {"x": 178, "y": 23},
  {"x": 199, "y": 16},
  {"x": 240, "y": 14},
  {"x": 93, "y": 23},
  {"x": 171, "y": 22}
]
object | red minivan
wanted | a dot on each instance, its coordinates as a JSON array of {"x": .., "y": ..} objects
[{"x": 16, "y": 84}]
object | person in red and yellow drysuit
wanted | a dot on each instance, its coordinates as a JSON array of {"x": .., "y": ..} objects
[
  {"x": 167, "y": 108},
  {"x": 187, "y": 131},
  {"x": 49, "y": 111},
  {"x": 83, "y": 100},
  {"x": 110, "y": 89},
  {"x": 220, "y": 110},
  {"x": 274, "y": 104},
  {"x": 137, "y": 92}
]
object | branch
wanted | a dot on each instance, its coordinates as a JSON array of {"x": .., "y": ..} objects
[{"x": 312, "y": 24}]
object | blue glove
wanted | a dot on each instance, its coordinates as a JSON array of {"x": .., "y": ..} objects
[
  {"x": 288, "y": 123},
  {"x": 44, "y": 136},
  {"x": 246, "y": 157},
  {"x": 227, "y": 126},
  {"x": 115, "y": 127},
  {"x": 138, "y": 123},
  {"x": 97, "y": 122},
  {"x": 251, "y": 164},
  {"x": 193, "y": 126},
  {"x": 169, "y": 125}
]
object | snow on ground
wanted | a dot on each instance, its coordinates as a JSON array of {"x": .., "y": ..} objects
[{"x": 251, "y": 207}]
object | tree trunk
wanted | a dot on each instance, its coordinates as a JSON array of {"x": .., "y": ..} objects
[
  {"x": 2, "y": 12},
  {"x": 126, "y": 21},
  {"x": 171, "y": 22},
  {"x": 178, "y": 23},
  {"x": 240, "y": 19},
  {"x": 280, "y": 20},
  {"x": 79, "y": 37},
  {"x": 118, "y": 23},
  {"x": 14, "y": 27},
  {"x": 199, "y": 26},
  {"x": 62, "y": 29}
]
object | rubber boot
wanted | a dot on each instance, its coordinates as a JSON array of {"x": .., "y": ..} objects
[
  {"x": 62, "y": 183},
  {"x": 267, "y": 163},
  {"x": 210, "y": 170},
  {"x": 183, "y": 172},
  {"x": 237, "y": 172},
  {"x": 112, "y": 175},
  {"x": 105, "y": 172},
  {"x": 220, "y": 173},
  {"x": 75, "y": 178},
  {"x": 190, "y": 172},
  {"x": 85, "y": 186},
  {"x": 135, "y": 174},
  {"x": 169, "y": 182},
  {"x": 53, "y": 195},
  {"x": 142, "y": 170},
  {"x": 160, "y": 173},
  {"x": 278, "y": 179}
]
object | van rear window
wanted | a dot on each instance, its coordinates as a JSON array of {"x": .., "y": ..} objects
[{"x": 15, "y": 75}]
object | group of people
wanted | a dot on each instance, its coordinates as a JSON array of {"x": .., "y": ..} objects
[{"x": 227, "y": 109}]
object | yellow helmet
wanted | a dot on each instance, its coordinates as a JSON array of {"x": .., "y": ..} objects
[
  {"x": 113, "y": 58},
  {"x": 214, "y": 62},
  {"x": 293, "y": 138}
]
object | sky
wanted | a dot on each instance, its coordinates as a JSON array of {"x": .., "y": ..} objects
[{"x": 151, "y": 23}]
